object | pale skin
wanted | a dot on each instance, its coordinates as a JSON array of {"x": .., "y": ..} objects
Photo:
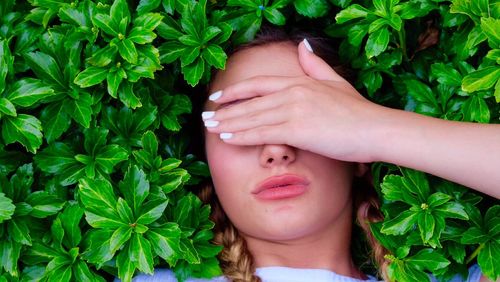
[
  {"x": 318, "y": 111},
  {"x": 346, "y": 126}
]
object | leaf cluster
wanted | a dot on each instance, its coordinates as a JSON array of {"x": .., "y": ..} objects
[{"x": 95, "y": 165}]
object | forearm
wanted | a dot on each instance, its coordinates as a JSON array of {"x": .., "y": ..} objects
[{"x": 465, "y": 153}]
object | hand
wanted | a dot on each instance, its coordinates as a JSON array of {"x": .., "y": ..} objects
[{"x": 319, "y": 112}]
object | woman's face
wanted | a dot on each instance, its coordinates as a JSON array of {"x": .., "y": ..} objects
[{"x": 237, "y": 170}]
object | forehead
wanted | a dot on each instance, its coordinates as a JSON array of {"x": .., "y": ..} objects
[{"x": 278, "y": 59}]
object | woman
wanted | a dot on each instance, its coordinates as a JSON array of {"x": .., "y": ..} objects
[{"x": 285, "y": 136}]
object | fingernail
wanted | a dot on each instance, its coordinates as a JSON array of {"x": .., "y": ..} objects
[
  {"x": 215, "y": 95},
  {"x": 211, "y": 123},
  {"x": 308, "y": 46},
  {"x": 207, "y": 115},
  {"x": 226, "y": 135}
]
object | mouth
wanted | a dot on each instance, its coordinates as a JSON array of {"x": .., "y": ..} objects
[{"x": 281, "y": 187}]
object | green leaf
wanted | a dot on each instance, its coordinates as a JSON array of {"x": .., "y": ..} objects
[
  {"x": 18, "y": 231},
  {"x": 28, "y": 91},
  {"x": 210, "y": 32},
  {"x": 151, "y": 211},
  {"x": 6, "y": 208},
  {"x": 134, "y": 187},
  {"x": 126, "y": 267},
  {"x": 104, "y": 56},
  {"x": 55, "y": 158},
  {"x": 119, "y": 10},
  {"x": 446, "y": 74},
  {"x": 109, "y": 156},
  {"x": 453, "y": 210},
  {"x": 146, "y": 6},
  {"x": 476, "y": 109},
  {"x": 149, "y": 21},
  {"x": 420, "y": 91},
  {"x": 127, "y": 95},
  {"x": 491, "y": 27},
  {"x": 44, "y": 204},
  {"x": 169, "y": 29},
  {"x": 428, "y": 259},
  {"x": 400, "y": 224},
  {"x": 474, "y": 235},
  {"x": 194, "y": 72},
  {"x": 166, "y": 238},
  {"x": 45, "y": 67},
  {"x": 91, "y": 76},
  {"x": 80, "y": 109},
  {"x": 274, "y": 16},
  {"x": 114, "y": 80},
  {"x": 189, "y": 55},
  {"x": 70, "y": 219},
  {"x": 354, "y": 11},
  {"x": 7, "y": 108},
  {"x": 127, "y": 50},
  {"x": 111, "y": 221},
  {"x": 481, "y": 79},
  {"x": 10, "y": 255},
  {"x": 124, "y": 211},
  {"x": 311, "y": 8},
  {"x": 141, "y": 35},
  {"x": 105, "y": 23},
  {"x": 5, "y": 60},
  {"x": 150, "y": 143},
  {"x": 97, "y": 195},
  {"x": 120, "y": 237},
  {"x": 25, "y": 129},
  {"x": 489, "y": 260},
  {"x": 55, "y": 121},
  {"x": 426, "y": 224},
  {"x": 140, "y": 253},
  {"x": 215, "y": 56},
  {"x": 82, "y": 272},
  {"x": 377, "y": 42}
]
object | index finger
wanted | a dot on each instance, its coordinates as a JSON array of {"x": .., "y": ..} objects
[{"x": 260, "y": 85}]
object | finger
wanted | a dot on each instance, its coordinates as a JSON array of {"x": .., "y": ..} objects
[
  {"x": 255, "y": 86},
  {"x": 250, "y": 106},
  {"x": 314, "y": 66},
  {"x": 268, "y": 117},
  {"x": 272, "y": 134}
]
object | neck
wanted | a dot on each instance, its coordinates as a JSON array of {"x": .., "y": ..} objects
[{"x": 325, "y": 249}]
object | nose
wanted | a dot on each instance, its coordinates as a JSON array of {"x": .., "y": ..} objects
[{"x": 274, "y": 155}]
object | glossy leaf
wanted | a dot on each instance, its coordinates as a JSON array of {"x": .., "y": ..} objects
[{"x": 25, "y": 129}]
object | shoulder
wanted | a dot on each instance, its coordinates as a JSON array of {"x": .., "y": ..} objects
[{"x": 167, "y": 275}]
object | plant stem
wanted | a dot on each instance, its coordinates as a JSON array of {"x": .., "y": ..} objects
[
  {"x": 402, "y": 42},
  {"x": 475, "y": 253}
]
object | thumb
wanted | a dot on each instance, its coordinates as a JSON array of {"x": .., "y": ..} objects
[{"x": 314, "y": 66}]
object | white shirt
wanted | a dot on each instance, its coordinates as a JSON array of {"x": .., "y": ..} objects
[{"x": 288, "y": 274}]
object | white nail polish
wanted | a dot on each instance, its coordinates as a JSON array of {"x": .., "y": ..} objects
[
  {"x": 308, "y": 46},
  {"x": 215, "y": 95},
  {"x": 211, "y": 123},
  {"x": 226, "y": 135},
  {"x": 207, "y": 115}
]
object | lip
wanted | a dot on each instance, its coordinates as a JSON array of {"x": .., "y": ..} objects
[{"x": 292, "y": 185}]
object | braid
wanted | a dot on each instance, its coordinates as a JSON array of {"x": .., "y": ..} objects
[
  {"x": 367, "y": 208},
  {"x": 236, "y": 261}
]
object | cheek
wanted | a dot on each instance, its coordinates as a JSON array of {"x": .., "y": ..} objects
[{"x": 225, "y": 161}]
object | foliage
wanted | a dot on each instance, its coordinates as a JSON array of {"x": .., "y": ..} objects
[{"x": 94, "y": 166}]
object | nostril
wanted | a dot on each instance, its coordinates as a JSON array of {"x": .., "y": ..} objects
[
  {"x": 270, "y": 160},
  {"x": 285, "y": 158}
]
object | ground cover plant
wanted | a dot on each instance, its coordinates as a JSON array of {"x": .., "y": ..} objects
[{"x": 94, "y": 166}]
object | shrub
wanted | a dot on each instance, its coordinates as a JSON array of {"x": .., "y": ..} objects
[{"x": 93, "y": 159}]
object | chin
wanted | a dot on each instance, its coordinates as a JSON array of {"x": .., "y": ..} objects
[{"x": 285, "y": 229}]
